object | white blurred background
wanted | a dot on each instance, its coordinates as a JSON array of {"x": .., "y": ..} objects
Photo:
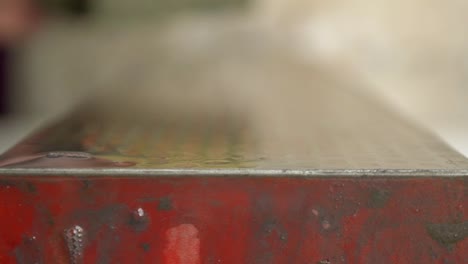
[{"x": 413, "y": 54}]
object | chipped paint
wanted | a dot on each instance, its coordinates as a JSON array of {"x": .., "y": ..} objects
[
  {"x": 29, "y": 252},
  {"x": 448, "y": 234},
  {"x": 146, "y": 247},
  {"x": 165, "y": 204},
  {"x": 315, "y": 212},
  {"x": 326, "y": 224},
  {"x": 183, "y": 245},
  {"x": 378, "y": 198},
  {"x": 139, "y": 220},
  {"x": 256, "y": 220}
]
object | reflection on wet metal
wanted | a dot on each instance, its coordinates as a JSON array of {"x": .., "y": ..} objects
[
  {"x": 75, "y": 239},
  {"x": 140, "y": 212},
  {"x": 69, "y": 154},
  {"x": 139, "y": 220}
]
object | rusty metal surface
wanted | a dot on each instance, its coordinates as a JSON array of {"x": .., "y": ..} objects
[
  {"x": 103, "y": 186},
  {"x": 194, "y": 220}
]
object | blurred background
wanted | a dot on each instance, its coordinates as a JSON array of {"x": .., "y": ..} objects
[{"x": 56, "y": 53}]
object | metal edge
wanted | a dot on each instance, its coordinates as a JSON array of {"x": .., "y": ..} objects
[{"x": 70, "y": 172}]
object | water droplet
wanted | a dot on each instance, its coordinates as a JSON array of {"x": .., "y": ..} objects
[
  {"x": 139, "y": 220},
  {"x": 75, "y": 238},
  {"x": 140, "y": 212}
]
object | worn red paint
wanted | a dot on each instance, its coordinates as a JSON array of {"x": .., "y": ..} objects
[
  {"x": 183, "y": 245},
  {"x": 259, "y": 220}
]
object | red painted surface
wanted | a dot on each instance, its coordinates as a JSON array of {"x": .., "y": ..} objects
[
  {"x": 175, "y": 220},
  {"x": 183, "y": 245}
]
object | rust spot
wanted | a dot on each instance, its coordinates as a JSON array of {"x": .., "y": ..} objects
[
  {"x": 29, "y": 251},
  {"x": 326, "y": 225},
  {"x": 448, "y": 234},
  {"x": 139, "y": 220},
  {"x": 324, "y": 261},
  {"x": 329, "y": 222},
  {"x": 95, "y": 220},
  {"x": 7, "y": 184},
  {"x": 378, "y": 198},
  {"x": 465, "y": 181},
  {"x": 31, "y": 188},
  {"x": 86, "y": 184},
  {"x": 46, "y": 215},
  {"x": 271, "y": 226},
  {"x": 165, "y": 204},
  {"x": 26, "y": 187},
  {"x": 146, "y": 247}
]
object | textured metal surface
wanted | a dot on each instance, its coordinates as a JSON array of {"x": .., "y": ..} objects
[
  {"x": 75, "y": 239},
  {"x": 103, "y": 186},
  {"x": 355, "y": 136},
  {"x": 194, "y": 220}
]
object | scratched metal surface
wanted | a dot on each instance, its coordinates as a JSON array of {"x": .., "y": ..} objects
[
  {"x": 341, "y": 133},
  {"x": 195, "y": 220}
]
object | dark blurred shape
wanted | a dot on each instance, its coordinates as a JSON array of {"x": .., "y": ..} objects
[
  {"x": 78, "y": 7},
  {"x": 4, "y": 93},
  {"x": 166, "y": 8},
  {"x": 18, "y": 20}
]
